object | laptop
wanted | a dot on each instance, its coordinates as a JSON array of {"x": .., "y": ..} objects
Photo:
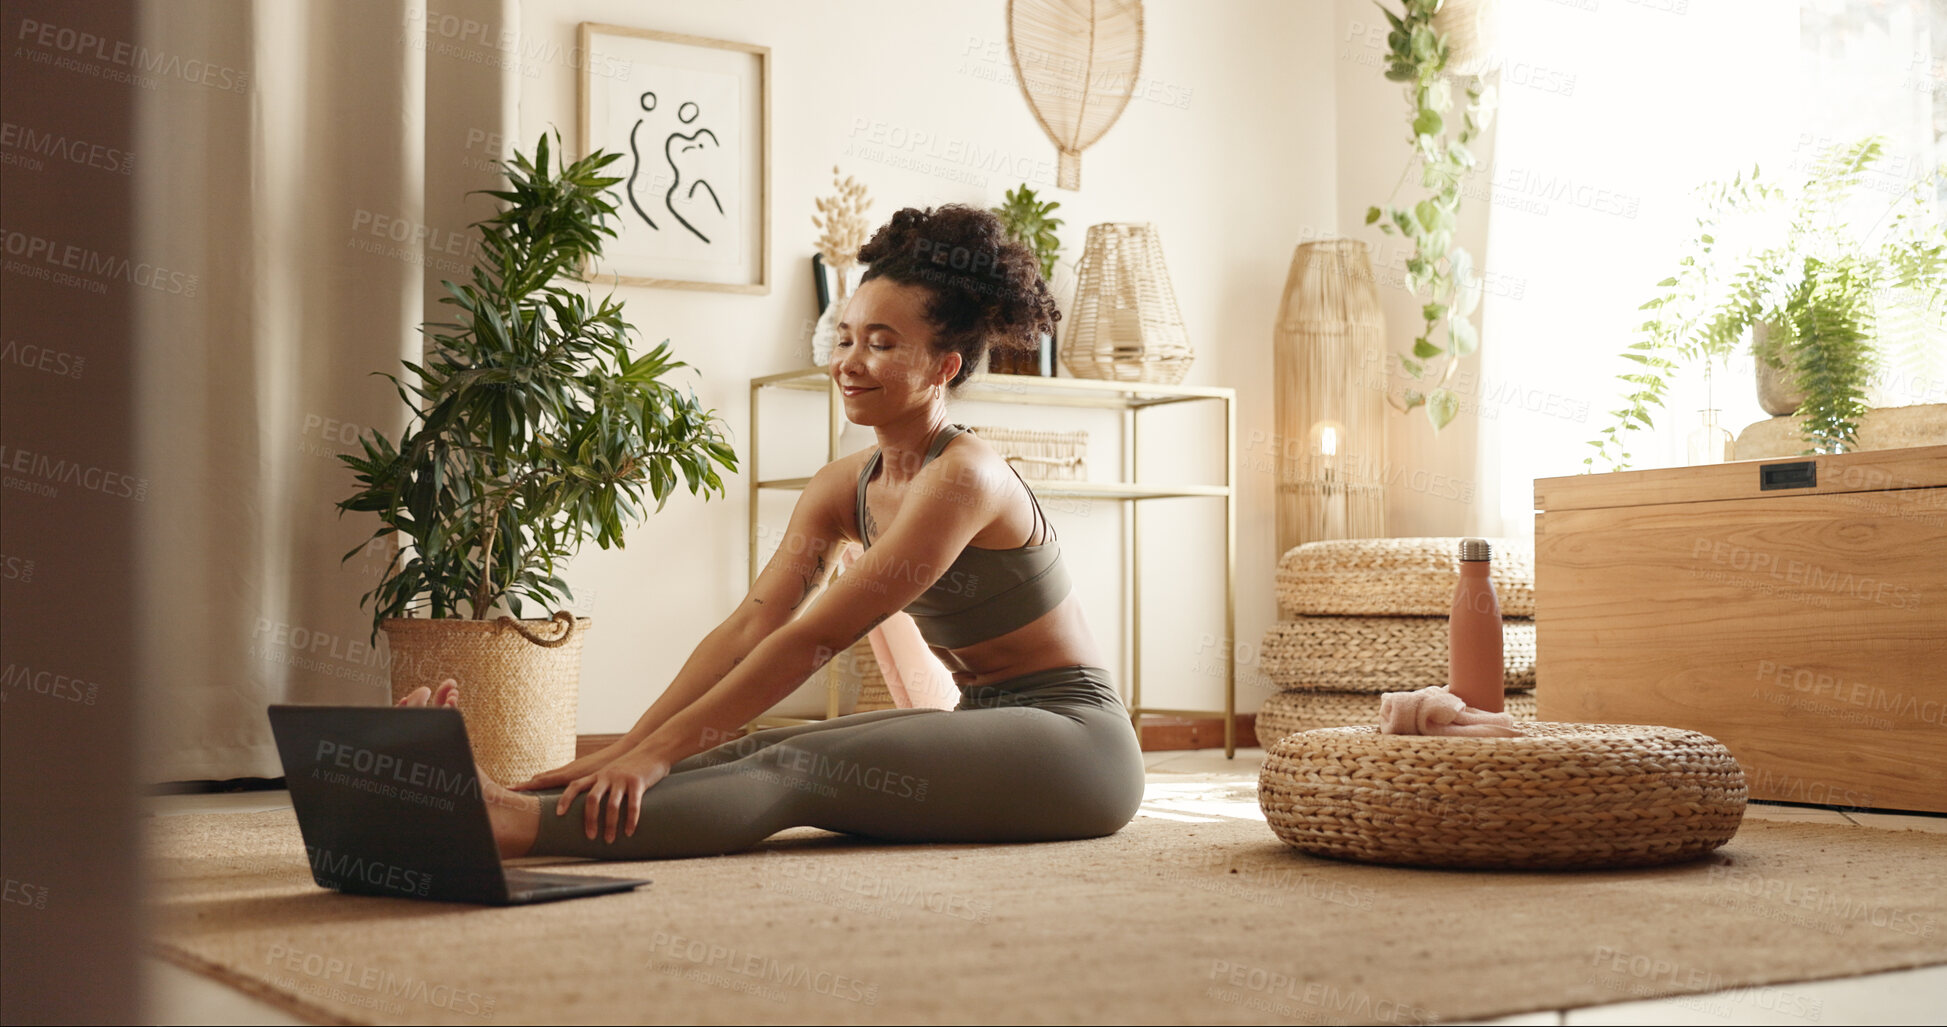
[{"x": 390, "y": 804}]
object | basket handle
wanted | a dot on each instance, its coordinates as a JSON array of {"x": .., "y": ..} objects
[{"x": 568, "y": 629}]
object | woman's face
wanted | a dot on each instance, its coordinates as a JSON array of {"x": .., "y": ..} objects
[{"x": 883, "y": 360}]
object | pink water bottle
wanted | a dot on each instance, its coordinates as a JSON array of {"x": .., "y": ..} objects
[{"x": 1474, "y": 665}]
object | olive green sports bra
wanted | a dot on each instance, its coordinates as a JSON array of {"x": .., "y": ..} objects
[{"x": 987, "y": 592}]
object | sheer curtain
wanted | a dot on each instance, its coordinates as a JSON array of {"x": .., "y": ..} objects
[
  {"x": 1610, "y": 115},
  {"x": 307, "y": 186}
]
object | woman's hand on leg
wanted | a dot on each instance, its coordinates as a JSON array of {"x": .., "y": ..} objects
[
  {"x": 615, "y": 788},
  {"x": 582, "y": 767}
]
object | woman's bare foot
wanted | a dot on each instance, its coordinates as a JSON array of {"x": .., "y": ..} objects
[{"x": 516, "y": 818}]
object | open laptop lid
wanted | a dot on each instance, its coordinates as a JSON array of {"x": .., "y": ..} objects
[{"x": 389, "y": 801}]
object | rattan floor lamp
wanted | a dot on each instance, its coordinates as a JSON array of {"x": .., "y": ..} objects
[
  {"x": 1124, "y": 324},
  {"x": 1330, "y": 379}
]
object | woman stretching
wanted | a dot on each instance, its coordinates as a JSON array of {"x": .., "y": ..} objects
[{"x": 1040, "y": 746}]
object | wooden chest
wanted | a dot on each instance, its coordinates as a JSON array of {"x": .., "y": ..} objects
[{"x": 1795, "y": 609}]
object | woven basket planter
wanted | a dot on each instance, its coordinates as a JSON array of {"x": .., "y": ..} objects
[
  {"x": 1286, "y": 713},
  {"x": 1400, "y": 577},
  {"x": 1563, "y": 796},
  {"x": 1039, "y": 455},
  {"x": 520, "y": 683},
  {"x": 1379, "y": 654}
]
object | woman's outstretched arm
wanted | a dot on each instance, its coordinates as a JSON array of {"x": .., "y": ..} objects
[
  {"x": 799, "y": 569},
  {"x": 939, "y": 517}
]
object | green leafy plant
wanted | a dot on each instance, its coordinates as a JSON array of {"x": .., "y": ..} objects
[
  {"x": 1815, "y": 284},
  {"x": 1438, "y": 270},
  {"x": 1027, "y": 220},
  {"x": 535, "y": 427}
]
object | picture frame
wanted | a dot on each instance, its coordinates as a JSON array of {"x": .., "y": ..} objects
[{"x": 691, "y": 117}]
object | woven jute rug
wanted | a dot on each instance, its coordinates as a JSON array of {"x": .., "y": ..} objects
[{"x": 1191, "y": 919}]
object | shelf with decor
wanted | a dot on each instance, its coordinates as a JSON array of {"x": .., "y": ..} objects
[{"x": 1130, "y": 398}]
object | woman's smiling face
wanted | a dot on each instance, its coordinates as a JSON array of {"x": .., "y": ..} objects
[{"x": 883, "y": 359}]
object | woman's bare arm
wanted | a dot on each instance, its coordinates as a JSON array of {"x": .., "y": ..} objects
[
  {"x": 937, "y": 520},
  {"x": 799, "y": 569}
]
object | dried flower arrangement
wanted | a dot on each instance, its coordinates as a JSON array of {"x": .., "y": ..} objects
[{"x": 842, "y": 226}]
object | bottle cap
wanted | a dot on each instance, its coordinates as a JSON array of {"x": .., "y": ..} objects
[{"x": 1474, "y": 549}]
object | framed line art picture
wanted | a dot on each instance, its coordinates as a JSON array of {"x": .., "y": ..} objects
[{"x": 691, "y": 117}]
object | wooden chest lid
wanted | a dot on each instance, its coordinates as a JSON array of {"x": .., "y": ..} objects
[{"x": 1878, "y": 470}]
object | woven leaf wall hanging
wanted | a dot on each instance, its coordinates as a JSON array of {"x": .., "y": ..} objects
[{"x": 1077, "y": 62}]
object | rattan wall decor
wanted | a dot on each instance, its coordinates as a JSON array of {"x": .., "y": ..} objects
[
  {"x": 1124, "y": 324},
  {"x": 1039, "y": 454},
  {"x": 1329, "y": 386},
  {"x": 1077, "y": 64}
]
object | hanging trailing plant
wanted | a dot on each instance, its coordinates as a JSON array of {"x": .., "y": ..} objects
[{"x": 1439, "y": 271}]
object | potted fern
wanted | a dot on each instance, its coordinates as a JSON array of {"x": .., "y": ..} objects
[
  {"x": 535, "y": 428},
  {"x": 1808, "y": 298}
]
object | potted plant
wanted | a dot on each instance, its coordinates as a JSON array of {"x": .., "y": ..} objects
[
  {"x": 534, "y": 429},
  {"x": 1806, "y": 294},
  {"x": 1028, "y": 220}
]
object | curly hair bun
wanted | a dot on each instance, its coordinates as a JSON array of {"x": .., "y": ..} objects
[{"x": 987, "y": 288}]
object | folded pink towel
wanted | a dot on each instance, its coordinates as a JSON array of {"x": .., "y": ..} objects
[{"x": 1434, "y": 710}]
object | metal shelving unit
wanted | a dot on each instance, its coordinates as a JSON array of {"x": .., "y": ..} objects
[{"x": 1130, "y": 398}]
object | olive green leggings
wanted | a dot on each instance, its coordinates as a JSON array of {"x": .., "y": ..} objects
[{"x": 1046, "y": 756}]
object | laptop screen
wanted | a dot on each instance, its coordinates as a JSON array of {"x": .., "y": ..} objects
[{"x": 388, "y": 801}]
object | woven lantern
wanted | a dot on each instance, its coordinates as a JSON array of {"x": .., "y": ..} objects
[
  {"x": 1330, "y": 397},
  {"x": 1125, "y": 325}
]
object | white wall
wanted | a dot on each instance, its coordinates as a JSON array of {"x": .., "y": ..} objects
[{"x": 1231, "y": 159}]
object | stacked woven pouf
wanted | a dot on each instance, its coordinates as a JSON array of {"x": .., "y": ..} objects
[{"x": 1367, "y": 616}]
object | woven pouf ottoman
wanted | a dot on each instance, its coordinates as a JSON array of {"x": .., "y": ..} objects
[
  {"x": 1287, "y": 713},
  {"x": 1379, "y": 654},
  {"x": 1562, "y": 796},
  {"x": 1399, "y": 577}
]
